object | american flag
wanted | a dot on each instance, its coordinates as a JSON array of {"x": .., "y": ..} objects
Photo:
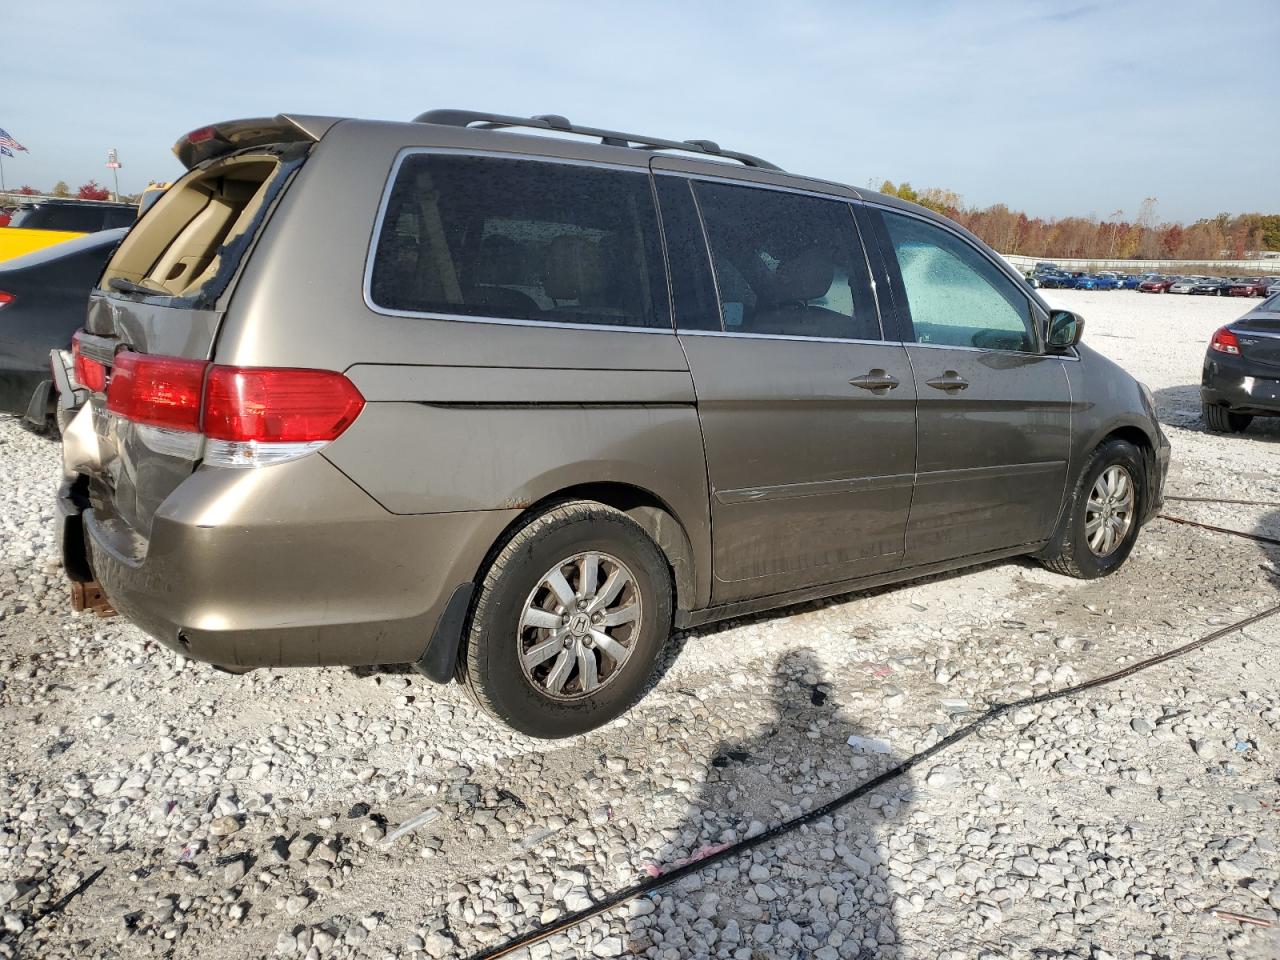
[{"x": 8, "y": 141}]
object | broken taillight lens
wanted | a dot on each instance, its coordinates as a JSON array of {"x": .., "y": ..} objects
[
  {"x": 89, "y": 373},
  {"x": 248, "y": 416},
  {"x": 157, "y": 391}
]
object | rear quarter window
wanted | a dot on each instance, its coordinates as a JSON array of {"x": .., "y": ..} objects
[{"x": 520, "y": 239}]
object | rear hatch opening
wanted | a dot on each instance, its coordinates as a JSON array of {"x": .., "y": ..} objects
[
  {"x": 153, "y": 322},
  {"x": 191, "y": 241}
]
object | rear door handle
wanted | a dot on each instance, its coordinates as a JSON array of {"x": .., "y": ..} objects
[
  {"x": 877, "y": 381},
  {"x": 950, "y": 381}
]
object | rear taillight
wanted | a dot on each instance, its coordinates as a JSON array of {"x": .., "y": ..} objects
[
  {"x": 89, "y": 373},
  {"x": 1224, "y": 341},
  {"x": 278, "y": 405},
  {"x": 157, "y": 391},
  {"x": 6, "y": 298},
  {"x": 248, "y": 416}
]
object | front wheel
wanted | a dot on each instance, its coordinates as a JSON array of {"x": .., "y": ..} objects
[
  {"x": 569, "y": 621},
  {"x": 1103, "y": 516}
]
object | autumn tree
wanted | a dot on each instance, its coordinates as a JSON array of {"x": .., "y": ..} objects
[
  {"x": 1146, "y": 238},
  {"x": 60, "y": 189},
  {"x": 91, "y": 191}
]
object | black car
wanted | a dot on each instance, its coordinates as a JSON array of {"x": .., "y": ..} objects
[
  {"x": 78, "y": 216},
  {"x": 1242, "y": 370},
  {"x": 43, "y": 298},
  {"x": 1211, "y": 287},
  {"x": 1056, "y": 281}
]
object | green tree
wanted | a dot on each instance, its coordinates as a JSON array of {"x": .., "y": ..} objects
[{"x": 60, "y": 189}]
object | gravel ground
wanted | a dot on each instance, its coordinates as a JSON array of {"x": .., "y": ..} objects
[{"x": 249, "y": 816}]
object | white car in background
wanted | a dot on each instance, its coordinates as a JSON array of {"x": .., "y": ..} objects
[{"x": 1185, "y": 284}]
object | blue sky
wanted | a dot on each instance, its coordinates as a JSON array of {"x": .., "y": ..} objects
[{"x": 1053, "y": 107}]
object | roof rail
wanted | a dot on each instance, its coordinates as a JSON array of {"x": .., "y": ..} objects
[{"x": 611, "y": 138}]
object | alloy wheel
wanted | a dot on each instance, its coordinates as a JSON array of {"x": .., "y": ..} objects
[
  {"x": 579, "y": 625},
  {"x": 1109, "y": 513}
]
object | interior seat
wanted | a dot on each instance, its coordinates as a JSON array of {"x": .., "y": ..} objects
[
  {"x": 501, "y": 262},
  {"x": 787, "y": 311},
  {"x": 577, "y": 270}
]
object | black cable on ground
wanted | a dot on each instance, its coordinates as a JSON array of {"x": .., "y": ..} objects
[
  {"x": 1260, "y": 538},
  {"x": 646, "y": 886},
  {"x": 61, "y": 904}
]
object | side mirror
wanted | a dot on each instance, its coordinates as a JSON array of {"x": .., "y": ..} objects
[{"x": 1065, "y": 330}]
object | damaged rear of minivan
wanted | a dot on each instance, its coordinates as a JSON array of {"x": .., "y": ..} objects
[
  {"x": 144, "y": 352},
  {"x": 156, "y": 496}
]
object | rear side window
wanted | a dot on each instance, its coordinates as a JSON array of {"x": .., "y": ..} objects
[
  {"x": 957, "y": 297},
  {"x": 787, "y": 264},
  {"x": 520, "y": 239}
]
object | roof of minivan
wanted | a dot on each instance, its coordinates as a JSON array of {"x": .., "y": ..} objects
[
  {"x": 529, "y": 142},
  {"x": 571, "y": 146}
]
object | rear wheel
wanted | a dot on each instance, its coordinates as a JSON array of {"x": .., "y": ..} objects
[
  {"x": 1102, "y": 519},
  {"x": 571, "y": 617},
  {"x": 1219, "y": 419}
]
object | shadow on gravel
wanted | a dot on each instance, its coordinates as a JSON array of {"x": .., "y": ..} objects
[
  {"x": 1180, "y": 407},
  {"x": 819, "y": 891}
]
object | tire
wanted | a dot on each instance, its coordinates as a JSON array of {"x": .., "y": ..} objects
[
  {"x": 562, "y": 539},
  {"x": 1219, "y": 419},
  {"x": 1070, "y": 552}
]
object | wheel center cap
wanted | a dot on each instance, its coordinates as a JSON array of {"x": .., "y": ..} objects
[{"x": 580, "y": 625}]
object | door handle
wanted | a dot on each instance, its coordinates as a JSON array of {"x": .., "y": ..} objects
[
  {"x": 950, "y": 381},
  {"x": 877, "y": 381}
]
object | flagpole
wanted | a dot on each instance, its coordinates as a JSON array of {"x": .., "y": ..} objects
[{"x": 3, "y": 189}]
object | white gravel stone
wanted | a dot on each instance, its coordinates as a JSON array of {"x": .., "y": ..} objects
[{"x": 1133, "y": 807}]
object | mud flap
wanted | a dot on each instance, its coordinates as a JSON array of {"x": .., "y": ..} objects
[
  {"x": 440, "y": 659},
  {"x": 38, "y": 410}
]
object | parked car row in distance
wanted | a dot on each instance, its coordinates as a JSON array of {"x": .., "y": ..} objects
[
  {"x": 1079, "y": 280},
  {"x": 1050, "y": 275}
]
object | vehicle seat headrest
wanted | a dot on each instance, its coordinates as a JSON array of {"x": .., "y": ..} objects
[
  {"x": 806, "y": 276},
  {"x": 575, "y": 270}
]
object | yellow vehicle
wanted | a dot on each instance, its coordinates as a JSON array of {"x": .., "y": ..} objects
[{"x": 41, "y": 223}]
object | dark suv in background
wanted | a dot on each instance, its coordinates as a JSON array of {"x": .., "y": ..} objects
[
  {"x": 75, "y": 216},
  {"x": 514, "y": 407}
]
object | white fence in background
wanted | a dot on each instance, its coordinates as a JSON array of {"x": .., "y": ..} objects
[{"x": 1265, "y": 265}]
